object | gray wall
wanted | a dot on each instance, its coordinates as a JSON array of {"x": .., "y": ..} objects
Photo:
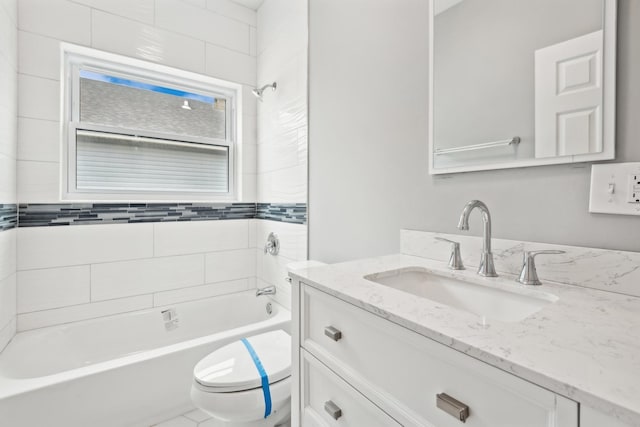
[{"x": 368, "y": 143}]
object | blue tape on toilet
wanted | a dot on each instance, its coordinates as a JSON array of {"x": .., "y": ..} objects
[{"x": 263, "y": 376}]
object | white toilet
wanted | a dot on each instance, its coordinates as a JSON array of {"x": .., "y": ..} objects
[{"x": 246, "y": 383}]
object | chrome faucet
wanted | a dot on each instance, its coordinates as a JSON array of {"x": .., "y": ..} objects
[
  {"x": 268, "y": 290},
  {"x": 486, "y": 268}
]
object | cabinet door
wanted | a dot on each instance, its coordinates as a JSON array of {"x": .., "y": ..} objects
[
  {"x": 402, "y": 372},
  {"x": 327, "y": 400}
]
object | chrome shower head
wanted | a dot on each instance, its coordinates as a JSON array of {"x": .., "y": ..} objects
[{"x": 258, "y": 92}]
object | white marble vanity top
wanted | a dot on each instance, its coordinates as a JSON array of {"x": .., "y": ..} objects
[{"x": 585, "y": 346}]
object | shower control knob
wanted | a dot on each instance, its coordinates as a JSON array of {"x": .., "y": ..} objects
[{"x": 272, "y": 247}]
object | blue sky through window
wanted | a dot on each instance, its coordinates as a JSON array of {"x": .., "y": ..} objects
[{"x": 91, "y": 75}]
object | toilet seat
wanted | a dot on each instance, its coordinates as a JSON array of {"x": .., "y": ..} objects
[{"x": 232, "y": 368}]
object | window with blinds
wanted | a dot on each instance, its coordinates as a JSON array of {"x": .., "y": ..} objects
[{"x": 136, "y": 135}]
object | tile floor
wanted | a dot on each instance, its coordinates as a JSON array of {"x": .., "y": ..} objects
[{"x": 195, "y": 418}]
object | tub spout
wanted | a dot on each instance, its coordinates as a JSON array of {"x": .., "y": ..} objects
[{"x": 268, "y": 290}]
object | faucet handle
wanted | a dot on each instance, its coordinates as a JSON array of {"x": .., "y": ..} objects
[
  {"x": 528, "y": 274},
  {"x": 273, "y": 244},
  {"x": 455, "y": 260}
]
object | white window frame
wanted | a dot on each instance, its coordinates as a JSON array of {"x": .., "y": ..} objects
[{"x": 75, "y": 58}]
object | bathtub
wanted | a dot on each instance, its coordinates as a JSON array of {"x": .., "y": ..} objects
[{"x": 128, "y": 370}]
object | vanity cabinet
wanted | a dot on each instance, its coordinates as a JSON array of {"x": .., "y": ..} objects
[
  {"x": 590, "y": 417},
  {"x": 377, "y": 373}
]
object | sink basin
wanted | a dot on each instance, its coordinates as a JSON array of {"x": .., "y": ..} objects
[{"x": 491, "y": 301}]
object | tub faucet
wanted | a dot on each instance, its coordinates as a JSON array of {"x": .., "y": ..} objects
[
  {"x": 486, "y": 268},
  {"x": 268, "y": 290}
]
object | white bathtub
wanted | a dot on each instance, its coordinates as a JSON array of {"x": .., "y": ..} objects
[{"x": 123, "y": 370}]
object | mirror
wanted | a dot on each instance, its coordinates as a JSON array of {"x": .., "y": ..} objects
[{"x": 519, "y": 83}]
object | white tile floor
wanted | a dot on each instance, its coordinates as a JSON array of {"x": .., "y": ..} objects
[{"x": 195, "y": 418}]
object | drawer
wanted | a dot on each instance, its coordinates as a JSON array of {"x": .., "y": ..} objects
[
  {"x": 324, "y": 394},
  {"x": 402, "y": 371}
]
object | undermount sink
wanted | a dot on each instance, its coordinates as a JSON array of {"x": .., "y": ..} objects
[{"x": 482, "y": 299}]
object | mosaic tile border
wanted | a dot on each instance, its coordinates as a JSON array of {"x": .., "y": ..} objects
[
  {"x": 8, "y": 216},
  {"x": 284, "y": 212},
  {"x": 61, "y": 214}
]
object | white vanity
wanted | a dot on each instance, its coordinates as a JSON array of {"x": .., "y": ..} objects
[{"x": 371, "y": 350}]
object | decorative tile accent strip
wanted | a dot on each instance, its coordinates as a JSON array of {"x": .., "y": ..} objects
[
  {"x": 49, "y": 214},
  {"x": 285, "y": 212},
  {"x": 38, "y": 215},
  {"x": 8, "y": 216}
]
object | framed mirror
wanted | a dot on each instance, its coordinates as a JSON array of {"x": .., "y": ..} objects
[{"x": 516, "y": 83}]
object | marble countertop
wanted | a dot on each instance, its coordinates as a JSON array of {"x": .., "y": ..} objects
[{"x": 585, "y": 346}]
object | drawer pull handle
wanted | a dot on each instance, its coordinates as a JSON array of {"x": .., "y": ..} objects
[
  {"x": 452, "y": 406},
  {"x": 332, "y": 409},
  {"x": 333, "y": 333}
]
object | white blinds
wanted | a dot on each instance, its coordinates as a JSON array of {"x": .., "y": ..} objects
[{"x": 115, "y": 162}]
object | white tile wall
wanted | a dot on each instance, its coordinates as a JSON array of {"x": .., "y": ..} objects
[
  {"x": 139, "y": 10},
  {"x": 46, "y": 247},
  {"x": 75, "y": 313},
  {"x": 7, "y": 253},
  {"x": 67, "y": 274},
  {"x": 38, "y": 181},
  {"x": 230, "y": 65},
  {"x": 288, "y": 185},
  {"x": 127, "y": 278},
  {"x": 11, "y": 8},
  {"x": 213, "y": 38},
  {"x": 58, "y": 19},
  {"x": 7, "y": 179},
  {"x": 229, "y": 265},
  {"x": 38, "y": 55},
  {"x": 233, "y": 11},
  {"x": 73, "y": 273},
  {"x": 53, "y": 288},
  {"x": 281, "y": 161},
  {"x": 8, "y": 36},
  {"x": 203, "y": 24},
  {"x": 38, "y": 140},
  {"x": 7, "y": 332},
  {"x": 203, "y": 291},
  {"x": 146, "y": 42},
  {"x": 38, "y": 98},
  {"x": 7, "y": 286},
  {"x": 282, "y": 117},
  {"x": 7, "y": 299},
  {"x": 9, "y": 130},
  {"x": 8, "y": 153},
  {"x": 177, "y": 238},
  {"x": 272, "y": 270}
]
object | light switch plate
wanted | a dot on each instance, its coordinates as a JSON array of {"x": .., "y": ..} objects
[{"x": 612, "y": 188}]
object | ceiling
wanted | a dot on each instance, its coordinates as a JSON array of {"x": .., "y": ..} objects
[{"x": 251, "y": 4}]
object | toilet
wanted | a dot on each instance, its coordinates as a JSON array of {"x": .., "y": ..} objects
[{"x": 246, "y": 383}]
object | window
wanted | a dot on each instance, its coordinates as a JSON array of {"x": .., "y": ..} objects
[{"x": 140, "y": 131}]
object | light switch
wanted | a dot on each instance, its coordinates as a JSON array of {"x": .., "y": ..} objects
[{"x": 615, "y": 188}]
